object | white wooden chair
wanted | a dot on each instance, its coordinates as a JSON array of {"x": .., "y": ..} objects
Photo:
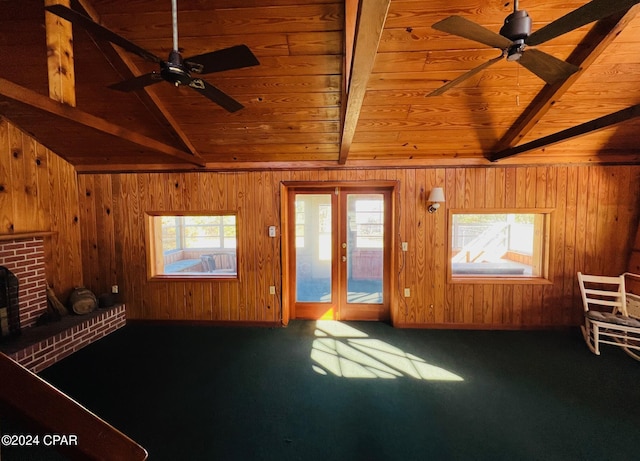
[
  {"x": 606, "y": 319},
  {"x": 633, "y": 296}
]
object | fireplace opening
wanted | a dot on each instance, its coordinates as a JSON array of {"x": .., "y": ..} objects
[{"x": 9, "y": 305}]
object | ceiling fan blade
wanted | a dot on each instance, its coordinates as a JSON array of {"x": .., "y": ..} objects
[
  {"x": 137, "y": 83},
  {"x": 463, "y": 77},
  {"x": 235, "y": 57},
  {"x": 209, "y": 91},
  {"x": 545, "y": 66},
  {"x": 100, "y": 32},
  {"x": 592, "y": 11},
  {"x": 457, "y": 25}
]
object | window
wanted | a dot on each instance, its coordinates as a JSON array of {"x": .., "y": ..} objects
[
  {"x": 192, "y": 245},
  {"x": 313, "y": 220},
  {"x": 499, "y": 244},
  {"x": 324, "y": 232},
  {"x": 369, "y": 222}
]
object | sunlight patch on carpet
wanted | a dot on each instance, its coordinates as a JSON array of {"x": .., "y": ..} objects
[{"x": 344, "y": 351}]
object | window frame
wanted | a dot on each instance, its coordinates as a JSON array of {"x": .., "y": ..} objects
[
  {"x": 545, "y": 277},
  {"x": 153, "y": 241}
]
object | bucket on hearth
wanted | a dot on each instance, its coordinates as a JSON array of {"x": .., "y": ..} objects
[{"x": 82, "y": 300}]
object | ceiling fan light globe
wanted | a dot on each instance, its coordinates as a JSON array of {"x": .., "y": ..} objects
[
  {"x": 514, "y": 53},
  {"x": 515, "y": 56}
]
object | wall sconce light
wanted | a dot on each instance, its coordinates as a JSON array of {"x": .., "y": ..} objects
[{"x": 435, "y": 197}]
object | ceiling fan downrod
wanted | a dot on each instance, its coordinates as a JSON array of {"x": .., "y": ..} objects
[
  {"x": 174, "y": 70},
  {"x": 174, "y": 23}
]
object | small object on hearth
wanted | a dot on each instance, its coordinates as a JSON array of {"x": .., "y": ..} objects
[
  {"x": 82, "y": 300},
  {"x": 106, "y": 300},
  {"x": 55, "y": 302}
]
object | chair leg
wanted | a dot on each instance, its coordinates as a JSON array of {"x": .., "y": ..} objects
[
  {"x": 634, "y": 353},
  {"x": 587, "y": 333}
]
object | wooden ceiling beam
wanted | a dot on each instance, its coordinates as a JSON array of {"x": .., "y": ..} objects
[
  {"x": 370, "y": 24},
  {"x": 148, "y": 97},
  {"x": 592, "y": 126},
  {"x": 590, "y": 48},
  {"x": 350, "y": 25},
  {"x": 19, "y": 99},
  {"x": 59, "y": 36}
]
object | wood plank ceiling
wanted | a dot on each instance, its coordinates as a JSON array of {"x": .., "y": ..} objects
[{"x": 295, "y": 113}]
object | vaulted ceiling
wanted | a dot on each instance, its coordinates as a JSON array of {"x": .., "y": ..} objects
[{"x": 301, "y": 110}]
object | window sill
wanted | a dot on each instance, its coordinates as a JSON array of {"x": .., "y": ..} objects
[
  {"x": 195, "y": 277},
  {"x": 499, "y": 280}
]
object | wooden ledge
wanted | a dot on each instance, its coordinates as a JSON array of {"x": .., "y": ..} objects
[{"x": 25, "y": 235}]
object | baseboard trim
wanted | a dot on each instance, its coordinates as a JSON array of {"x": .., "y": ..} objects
[
  {"x": 479, "y": 326},
  {"x": 211, "y": 323}
]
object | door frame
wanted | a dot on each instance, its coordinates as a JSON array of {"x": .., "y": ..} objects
[{"x": 352, "y": 186}]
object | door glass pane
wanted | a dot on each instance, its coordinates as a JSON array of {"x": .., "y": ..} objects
[
  {"x": 365, "y": 248},
  {"x": 313, "y": 247}
]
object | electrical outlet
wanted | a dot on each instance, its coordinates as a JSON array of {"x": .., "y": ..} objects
[
  {"x": 272, "y": 290},
  {"x": 407, "y": 293},
  {"x": 405, "y": 246},
  {"x": 272, "y": 231},
  {"x": 114, "y": 289}
]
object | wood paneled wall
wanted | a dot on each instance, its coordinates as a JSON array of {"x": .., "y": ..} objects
[
  {"x": 595, "y": 211},
  {"x": 594, "y": 222},
  {"x": 98, "y": 237},
  {"x": 39, "y": 192},
  {"x": 113, "y": 209}
]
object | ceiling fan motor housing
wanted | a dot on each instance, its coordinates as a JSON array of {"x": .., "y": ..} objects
[
  {"x": 517, "y": 26},
  {"x": 174, "y": 71}
]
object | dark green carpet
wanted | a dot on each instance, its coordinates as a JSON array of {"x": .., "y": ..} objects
[{"x": 211, "y": 393}]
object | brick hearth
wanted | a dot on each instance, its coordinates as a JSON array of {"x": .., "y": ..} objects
[{"x": 36, "y": 350}]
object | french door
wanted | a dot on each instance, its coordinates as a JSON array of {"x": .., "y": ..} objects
[{"x": 340, "y": 248}]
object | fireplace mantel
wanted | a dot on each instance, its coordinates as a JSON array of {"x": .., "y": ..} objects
[{"x": 25, "y": 235}]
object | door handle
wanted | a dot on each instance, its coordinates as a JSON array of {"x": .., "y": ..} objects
[{"x": 344, "y": 259}]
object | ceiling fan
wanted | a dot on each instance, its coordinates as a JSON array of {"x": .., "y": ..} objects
[
  {"x": 515, "y": 35},
  {"x": 176, "y": 69}
]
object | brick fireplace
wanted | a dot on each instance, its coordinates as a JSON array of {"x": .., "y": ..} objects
[
  {"x": 25, "y": 259},
  {"x": 37, "y": 347}
]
